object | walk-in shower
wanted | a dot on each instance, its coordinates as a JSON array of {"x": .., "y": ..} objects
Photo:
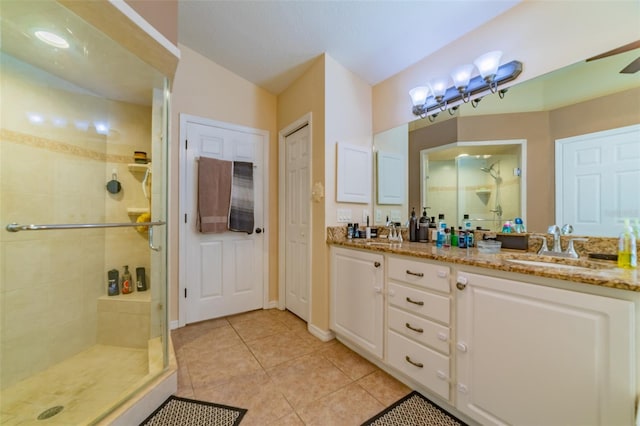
[
  {"x": 471, "y": 178},
  {"x": 71, "y": 119}
]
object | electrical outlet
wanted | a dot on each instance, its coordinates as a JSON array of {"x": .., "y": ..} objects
[
  {"x": 378, "y": 216},
  {"x": 344, "y": 215}
]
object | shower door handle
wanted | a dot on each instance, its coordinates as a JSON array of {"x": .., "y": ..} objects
[
  {"x": 14, "y": 227},
  {"x": 151, "y": 246}
]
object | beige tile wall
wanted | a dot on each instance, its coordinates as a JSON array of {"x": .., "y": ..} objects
[{"x": 55, "y": 172}]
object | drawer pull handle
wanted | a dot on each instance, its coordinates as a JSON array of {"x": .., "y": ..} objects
[
  {"x": 417, "y": 364},
  {"x": 417, "y": 330},
  {"x": 415, "y": 274},
  {"x": 415, "y": 302}
]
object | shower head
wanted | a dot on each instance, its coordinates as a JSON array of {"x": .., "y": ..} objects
[
  {"x": 492, "y": 171},
  {"x": 488, "y": 169}
]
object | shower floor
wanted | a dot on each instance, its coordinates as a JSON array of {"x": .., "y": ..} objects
[{"x": 86, "y": 385}]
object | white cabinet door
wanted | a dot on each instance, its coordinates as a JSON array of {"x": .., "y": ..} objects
[
  {"x": 534, "y": 355},
  {"x": 357, "y": 304}
]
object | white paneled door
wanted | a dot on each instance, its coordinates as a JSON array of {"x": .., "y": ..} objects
[
  {"x": 224, "y": 272},
  {"x": 297, "y": 220},
  {"x": 597, "y": 180}
]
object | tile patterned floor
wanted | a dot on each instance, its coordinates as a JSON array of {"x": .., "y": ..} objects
[
  {"x": 85, "y": 384},
  {"x": 267, "y": 362}
]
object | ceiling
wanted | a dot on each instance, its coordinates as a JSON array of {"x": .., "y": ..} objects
[{"x": 271, "y": 43}]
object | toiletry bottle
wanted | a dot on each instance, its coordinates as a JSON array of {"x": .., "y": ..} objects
[
  {"x": 356, "y": 230},
  {"x": 466, "y": 223},
  {"x": 454, "y": 237},
  {"x": 468, "y": 233},
  {"x": 127, "y": 286},
  {"x": 519, "y": 225},
  {"x": 447, "y": 238},
  {"x": 349, "y": 230},
  {"x": 113, "y": 288},
  {"x": 433, "y": 230},
  {"x": 423, "y": 227},
  {"x": 367, "y": 230},
  {"x": 442, "y": 226},
  {"x": 141, "y": 279},
  {"x": 627, "y": 248},
  {"x": 462, "y": 237},
  {"x": 413, "y": 226}
]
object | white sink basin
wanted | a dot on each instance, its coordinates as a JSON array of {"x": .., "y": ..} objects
[{"x": 544, "y": 264}]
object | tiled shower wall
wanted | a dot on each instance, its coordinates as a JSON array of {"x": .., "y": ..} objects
[{"x": 54, "y": 165}]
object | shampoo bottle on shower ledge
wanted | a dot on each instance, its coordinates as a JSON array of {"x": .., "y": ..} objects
[{"x": 127, "y": 285}]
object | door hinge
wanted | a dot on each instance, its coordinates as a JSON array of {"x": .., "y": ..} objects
[
  {"x": 185, "y": 218},
  {"x": 185, "y": 293},
  {"x": 186, "y": 144}
]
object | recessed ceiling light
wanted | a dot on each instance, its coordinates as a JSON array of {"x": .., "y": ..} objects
[{"x": 52, "y": 39}]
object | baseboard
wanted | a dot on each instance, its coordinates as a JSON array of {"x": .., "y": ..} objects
[
  {"x": 174, "y": 324},
  {"x": 324, "y": 335},
  {"x": 273, "y": 304}
]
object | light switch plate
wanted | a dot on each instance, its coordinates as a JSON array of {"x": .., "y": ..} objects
[
  {"x": 378, "y": 216},
  {"x": 344, "y": 215}
]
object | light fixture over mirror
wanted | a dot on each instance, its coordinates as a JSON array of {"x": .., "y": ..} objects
[{"x": 429, "y": 101}]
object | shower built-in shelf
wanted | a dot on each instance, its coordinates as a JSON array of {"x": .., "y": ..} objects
[
  {"x": 483, "y": 191},
  {"x": 138, "y": 167},
  {"x": 137, "y": 211}
]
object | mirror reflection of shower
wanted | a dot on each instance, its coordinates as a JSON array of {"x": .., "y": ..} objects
[
  {"x": 473, "y": 178},
  {"x": 494, "y": 171}
]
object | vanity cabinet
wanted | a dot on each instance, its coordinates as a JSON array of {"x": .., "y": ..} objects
[
  {"x": 536, "y": 355},
  {"x": 356, "y": 300},
  {"x": 418, "y": 326}
]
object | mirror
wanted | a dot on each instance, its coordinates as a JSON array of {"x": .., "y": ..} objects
[
  {"x": 579, "y": 99},
  {"x": 392, "y": 143},
  {"x": 479, "y": 179}
]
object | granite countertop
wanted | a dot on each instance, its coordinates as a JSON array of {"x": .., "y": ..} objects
[{"x": 600, "y": 273}]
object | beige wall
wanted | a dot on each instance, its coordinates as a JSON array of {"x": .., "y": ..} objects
[
  {"x": 340, "y": 105},
  {"x": 205, "y": 89},
  {"x": 162, "y": 14},
  {"x": 307, "y": 95},
  {"x": 544, "y": 35},
  {"x": 348, "y": 120},
  {"x": 540, "y": 129}
]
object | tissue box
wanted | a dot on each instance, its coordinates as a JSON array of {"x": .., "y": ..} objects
[{"x": 514, "y": 241}]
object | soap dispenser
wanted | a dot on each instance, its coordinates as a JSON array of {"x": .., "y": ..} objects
[
  {"x": 627, "y": 248},
  {"x": 423, "y": 227},
  {"x": 413, "y": 226}
]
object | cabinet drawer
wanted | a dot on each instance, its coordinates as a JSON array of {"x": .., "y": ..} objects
[
  {"x": 422, "y": 364},
  {"x": 427, "y": 275},
  {"x": 419, "y": 302},
  {"x": 424, "y": 331}
]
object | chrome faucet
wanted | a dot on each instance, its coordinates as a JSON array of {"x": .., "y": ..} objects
[{"x": 555, "y": 231}]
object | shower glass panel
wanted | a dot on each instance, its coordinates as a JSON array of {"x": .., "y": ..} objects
[{"x": 72, "y": 118}]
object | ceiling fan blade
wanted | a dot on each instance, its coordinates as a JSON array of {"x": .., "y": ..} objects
[
  {"x": 633, "y": 67},
  {"x": 621, "y": 49}
]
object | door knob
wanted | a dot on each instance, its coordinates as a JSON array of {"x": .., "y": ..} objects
[
  {"x": 259, "y": 230},
  {"x": 376, "y": 264},
  {"x": 461, "y": 283}
]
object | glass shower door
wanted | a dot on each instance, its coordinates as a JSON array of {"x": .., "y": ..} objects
[{"x": 77, "y": 201}]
